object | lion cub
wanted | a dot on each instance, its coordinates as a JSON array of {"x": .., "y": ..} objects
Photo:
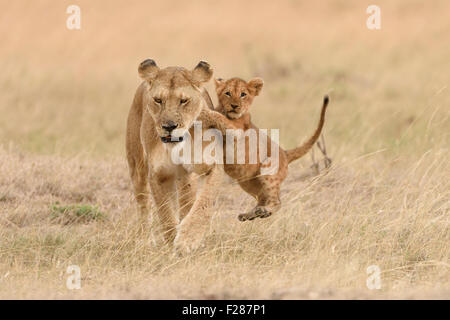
[{"x": 235, "y": 97}]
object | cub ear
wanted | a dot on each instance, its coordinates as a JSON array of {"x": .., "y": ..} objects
[
  {"x": 148, "y": 70},
  {"x": 220, "y": 83},
  {"x": 202, "y": 73},
  {"x": 255, "y": 85}
]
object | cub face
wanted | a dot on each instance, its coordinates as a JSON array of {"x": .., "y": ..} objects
[
  {"x": 173, "y": 97},
  {"x": 235, "y": 95}
]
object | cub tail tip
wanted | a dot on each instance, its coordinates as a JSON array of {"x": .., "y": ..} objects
[{"x": 326, "y": 99}]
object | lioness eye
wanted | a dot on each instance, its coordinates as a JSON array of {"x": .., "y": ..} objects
[
  {"x": 243, "y": 94},
  {"x": 228, "y": 93},
  {"x": 157, "y": 100},
  {"x": 183, "y": 101}
]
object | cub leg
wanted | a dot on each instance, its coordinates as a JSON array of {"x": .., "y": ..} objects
[
  {"x": 268, "y": 199},
  {"x": 269, "y": 189}
]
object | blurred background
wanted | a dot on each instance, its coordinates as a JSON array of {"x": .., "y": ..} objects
[
  {"x": 65, "y": 192},
  {"x": 68, "y": 91}
]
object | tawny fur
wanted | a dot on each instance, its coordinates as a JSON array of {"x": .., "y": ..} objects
[
  {"x": 166, "y": 97},
  {"x": 235, "y": 98}
]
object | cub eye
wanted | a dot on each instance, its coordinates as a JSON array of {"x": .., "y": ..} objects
[
  {"x": 243, "y": 94},
  {"x": 183, "y": 101},
  {"x": 157, "y": 100},
  {"x": 228, "y": 93}
]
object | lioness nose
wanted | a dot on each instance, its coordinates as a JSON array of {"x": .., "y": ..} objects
[
  {"x": 234, "y": 106},
  {"x": 169, "y": 126}
]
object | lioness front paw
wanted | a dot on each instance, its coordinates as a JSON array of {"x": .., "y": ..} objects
[{"x": 186, "y": 243}]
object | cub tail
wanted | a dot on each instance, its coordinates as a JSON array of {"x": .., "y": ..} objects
[{"x": 300, "y": 151}]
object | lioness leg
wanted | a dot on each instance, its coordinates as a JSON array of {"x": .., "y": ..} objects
[
  {"x": 194, "y": 226},
  {"x": 186, "y": 190},
  {"x": 164, "y": 192},
  {"x": 139, "y": 176}
]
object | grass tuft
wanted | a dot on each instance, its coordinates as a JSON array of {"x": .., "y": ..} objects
[{"x": 75, "y": 213}]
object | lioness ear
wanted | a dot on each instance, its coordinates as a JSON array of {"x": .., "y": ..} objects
[
  {"x": 220, "y": 83},
  {"x": 201, "y": 73},
  {"x": 255, "y": 85},
  {"x": 148, "y": 70}
]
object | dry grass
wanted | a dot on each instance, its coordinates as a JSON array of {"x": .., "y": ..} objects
[{"x": 65, "y": 194}]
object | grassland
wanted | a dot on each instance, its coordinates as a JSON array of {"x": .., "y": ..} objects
[{"x": 65, "y": 194}]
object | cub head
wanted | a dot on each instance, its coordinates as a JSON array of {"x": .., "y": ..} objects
[
  {"x": 235, "y": 95},
  {"x": 173, "y": 97}
]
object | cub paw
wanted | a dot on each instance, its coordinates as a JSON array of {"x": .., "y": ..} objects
[
  {"x": 257, "y": 212},
  {"x": 262, "y": 212}
]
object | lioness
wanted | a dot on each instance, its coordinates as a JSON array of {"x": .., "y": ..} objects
[
  {"x": 164, "y": 108},
  {"x": 235, "y": 97}
]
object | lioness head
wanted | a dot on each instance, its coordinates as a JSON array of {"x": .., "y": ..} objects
[
  {"x": 235, "y": 95},
  {"x": 173, "y": 97}
]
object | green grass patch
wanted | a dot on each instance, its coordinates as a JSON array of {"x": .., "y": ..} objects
[{"x": 77, "y": 213}]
